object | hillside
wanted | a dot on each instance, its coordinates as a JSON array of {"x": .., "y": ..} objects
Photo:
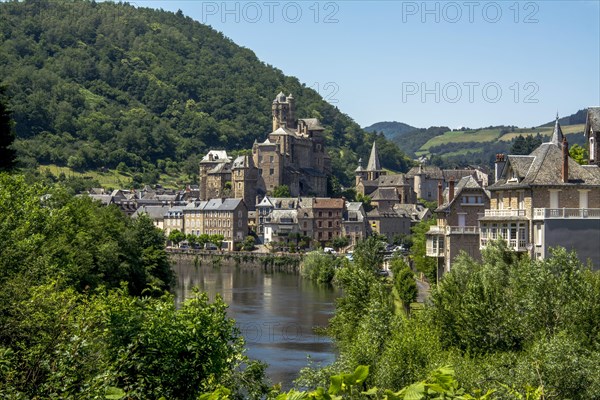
[
  {"x": 96, "y": 86},
  {"x": 391, "y": 129},
  {"x": 474, "y": 146}
]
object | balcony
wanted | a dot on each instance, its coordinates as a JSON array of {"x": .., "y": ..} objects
[
  {"x": 566, "y": 213},
  {"x": 505, "y": 213},
  {"x": 434, "y": 247},
  {"x": 453, "y": 230},
  {"x": 519, "y": 245}
]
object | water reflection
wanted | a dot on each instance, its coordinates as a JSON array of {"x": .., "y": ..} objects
[{"x": 276, "y": 313}]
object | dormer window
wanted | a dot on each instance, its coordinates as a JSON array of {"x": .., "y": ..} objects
[{"x": 513, "y": 177}]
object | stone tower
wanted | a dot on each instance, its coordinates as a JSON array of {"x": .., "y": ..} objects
[
  {"x": 244, "y": 179},
  {"x": 284, "y": 112},
  {"x": 592, "y": 135},
  {"x": 360, "y": 173}
]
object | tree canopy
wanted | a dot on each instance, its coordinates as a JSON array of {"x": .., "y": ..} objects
[{"x": 95, "y": 85}]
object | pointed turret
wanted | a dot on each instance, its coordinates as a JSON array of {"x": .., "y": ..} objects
[
  {"x": 557, "y": 135},
  {"x": 360, "y": 167},
  {"x": 374, "y": 164}
]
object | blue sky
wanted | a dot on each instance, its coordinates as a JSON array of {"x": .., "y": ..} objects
[{"x": 463, "y": 63}]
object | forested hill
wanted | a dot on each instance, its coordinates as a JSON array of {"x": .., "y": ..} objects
[{"x": 94, "y": 85}]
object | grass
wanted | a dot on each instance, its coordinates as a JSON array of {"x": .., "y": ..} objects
[
  {"x": 489, "y": 136},
  {"x": 112, "y": 178}
]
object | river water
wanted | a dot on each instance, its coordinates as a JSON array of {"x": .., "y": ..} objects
[{"x": 276, "y": 313}]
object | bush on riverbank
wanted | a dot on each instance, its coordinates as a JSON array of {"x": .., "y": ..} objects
[{"x": 319, "y": 267}]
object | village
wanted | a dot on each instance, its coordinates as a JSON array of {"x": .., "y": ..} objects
[{"x": 532, "y": 202}]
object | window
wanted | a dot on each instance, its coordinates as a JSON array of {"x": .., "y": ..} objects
[
  {"x": 270, "y": 158},
  {"x": 553, "y": 198},
  {"x": 330, "y": 214},
  {"x": 271, "y": 171},
  {"x": 330, "y": 224}
]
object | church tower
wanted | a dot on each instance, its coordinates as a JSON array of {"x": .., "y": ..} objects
[
  {"x": 244, "y": 177},
  {"x": 592, "y": 135},
  {"x": 284, "y": 112}
]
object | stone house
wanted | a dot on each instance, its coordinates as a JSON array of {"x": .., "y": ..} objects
[
  {"x": 155, "y": 213},
  {"x": 457, "y": 227},
  {"x": 389, "y": 222},
  {"x": 545, "y": 199},
  {"x": 281, "y": 224},
  {"x": 320, "y": 218},
  {"x": 227, "y": 217},
  {"x": 355, "y": 226},
  {"x": 174, "y": 220},
  {"x": 265, "y": 208},
  {"x": 424, "y": 179}
]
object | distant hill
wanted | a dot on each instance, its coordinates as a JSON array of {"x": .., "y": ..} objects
[
  {"x": 473, "y": 146},
  {"x": 390, "y": 129},
  {"x": 573, "y": 119},
  {"x": 99, "y": 85}
]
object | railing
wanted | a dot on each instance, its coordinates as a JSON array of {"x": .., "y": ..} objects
[
  {"x": 566, "y": 213},
  {"x": 513, "y": 244},
  {"x": 505, "y": 213},
  {"x": 456, "y": 230},
  {"x": 463, "y": 230},
  {"x": 431, "y": 251}
]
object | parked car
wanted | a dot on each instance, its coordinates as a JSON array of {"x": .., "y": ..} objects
[{"x": 329, "y": 250}]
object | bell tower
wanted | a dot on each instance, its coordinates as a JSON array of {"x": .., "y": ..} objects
[{"x": 592, "y": 135}]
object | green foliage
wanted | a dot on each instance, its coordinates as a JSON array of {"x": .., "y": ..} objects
[
  {"x": 579, "y": 154},
  {"x": 47, "y": 233},
  {"x": 404, "y": 283},
  {"x": 7, "y": 137},
  {"x": 176, "y": 236},
  {"x": 340, "y": 242},
  {"x": 281, "y": 191},
  {"x": 525, "y": 145},
  {"x": 319, "y": 267},
  {"x": 66, "y": 344},
  {"x": 100, "y": 84},
  {"x": 248, "y": 244},
  {"x": 421, "y": 262},
  {"x": 512, "y": 328}
]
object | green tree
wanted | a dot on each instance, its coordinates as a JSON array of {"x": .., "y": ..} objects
[
  {"x": 318, "y": 266},
  {"x": 340, "y": 242},
  {"x": 579, "y": 154},
  {"x": 176, "y": 236},
  {"x": 421, "y": 262},
  {"x": 281, "y": 191},
  {"x": 404, "y": 283},
  {"x": 7, "y": 137}
]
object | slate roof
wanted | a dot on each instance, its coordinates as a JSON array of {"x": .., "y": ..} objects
[
  {"x": 430, "y": 172},
  {"x": 545, "y": 169},
  {"x": 592, "y": 120},
  {"x": 466, "y": 183},
  {"x": 218, "y": 155},
  {"x": 557, "y": 135},
  {"x": 222, "y": 204},
  {"x": 385, "y": 194},
  {"x": 283, "y": 217},
  {"x": 283, "y": 131},
  {"x": 417, "y": 212},
  {"x": 154, "y": 212},
  {"x": 243, "y": 162},
  {"x": 312, "y": 124},
  {"x": 391, "y": 180},
  {"x": 374, "y": 164}
]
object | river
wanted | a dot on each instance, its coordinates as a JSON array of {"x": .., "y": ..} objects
[{"x": 276, "y": 313}]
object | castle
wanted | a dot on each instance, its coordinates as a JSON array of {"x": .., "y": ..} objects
[{"x": 293, "y": 154}]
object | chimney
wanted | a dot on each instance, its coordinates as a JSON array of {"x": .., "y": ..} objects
[
  {"x": 451, "y": 189},
  {"x": 565, "y": 162},
  {"x": 440, "y": 194},
  {"x": 499, "y": 166}
]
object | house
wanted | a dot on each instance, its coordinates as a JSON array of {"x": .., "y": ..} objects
[
  {"x": 457, "y": 227},
  {"x": 155, "y": 213},
  {"x": 354, "y": 223},
  {"x": 389, "y": 222},
  {"x": 227, "y": 217},
  {"x": 320, "y": 218},
  {"x": 173, "y": 220},
  {"x": 425, "y": 179},
  {"x": 281, "y": 224},
  {"x": 266, "y": 206},
  {"x": 546, "y": 199}
]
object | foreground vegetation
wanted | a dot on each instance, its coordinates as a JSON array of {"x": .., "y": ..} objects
[
  {"x": 85, "y": 313},
  {"x": 507, "y": 324}
]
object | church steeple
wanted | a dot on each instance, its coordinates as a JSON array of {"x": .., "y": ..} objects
[{"x": 373, "y": 166}]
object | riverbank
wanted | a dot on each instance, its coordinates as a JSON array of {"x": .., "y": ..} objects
[{"x": 268, "y": 262}]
